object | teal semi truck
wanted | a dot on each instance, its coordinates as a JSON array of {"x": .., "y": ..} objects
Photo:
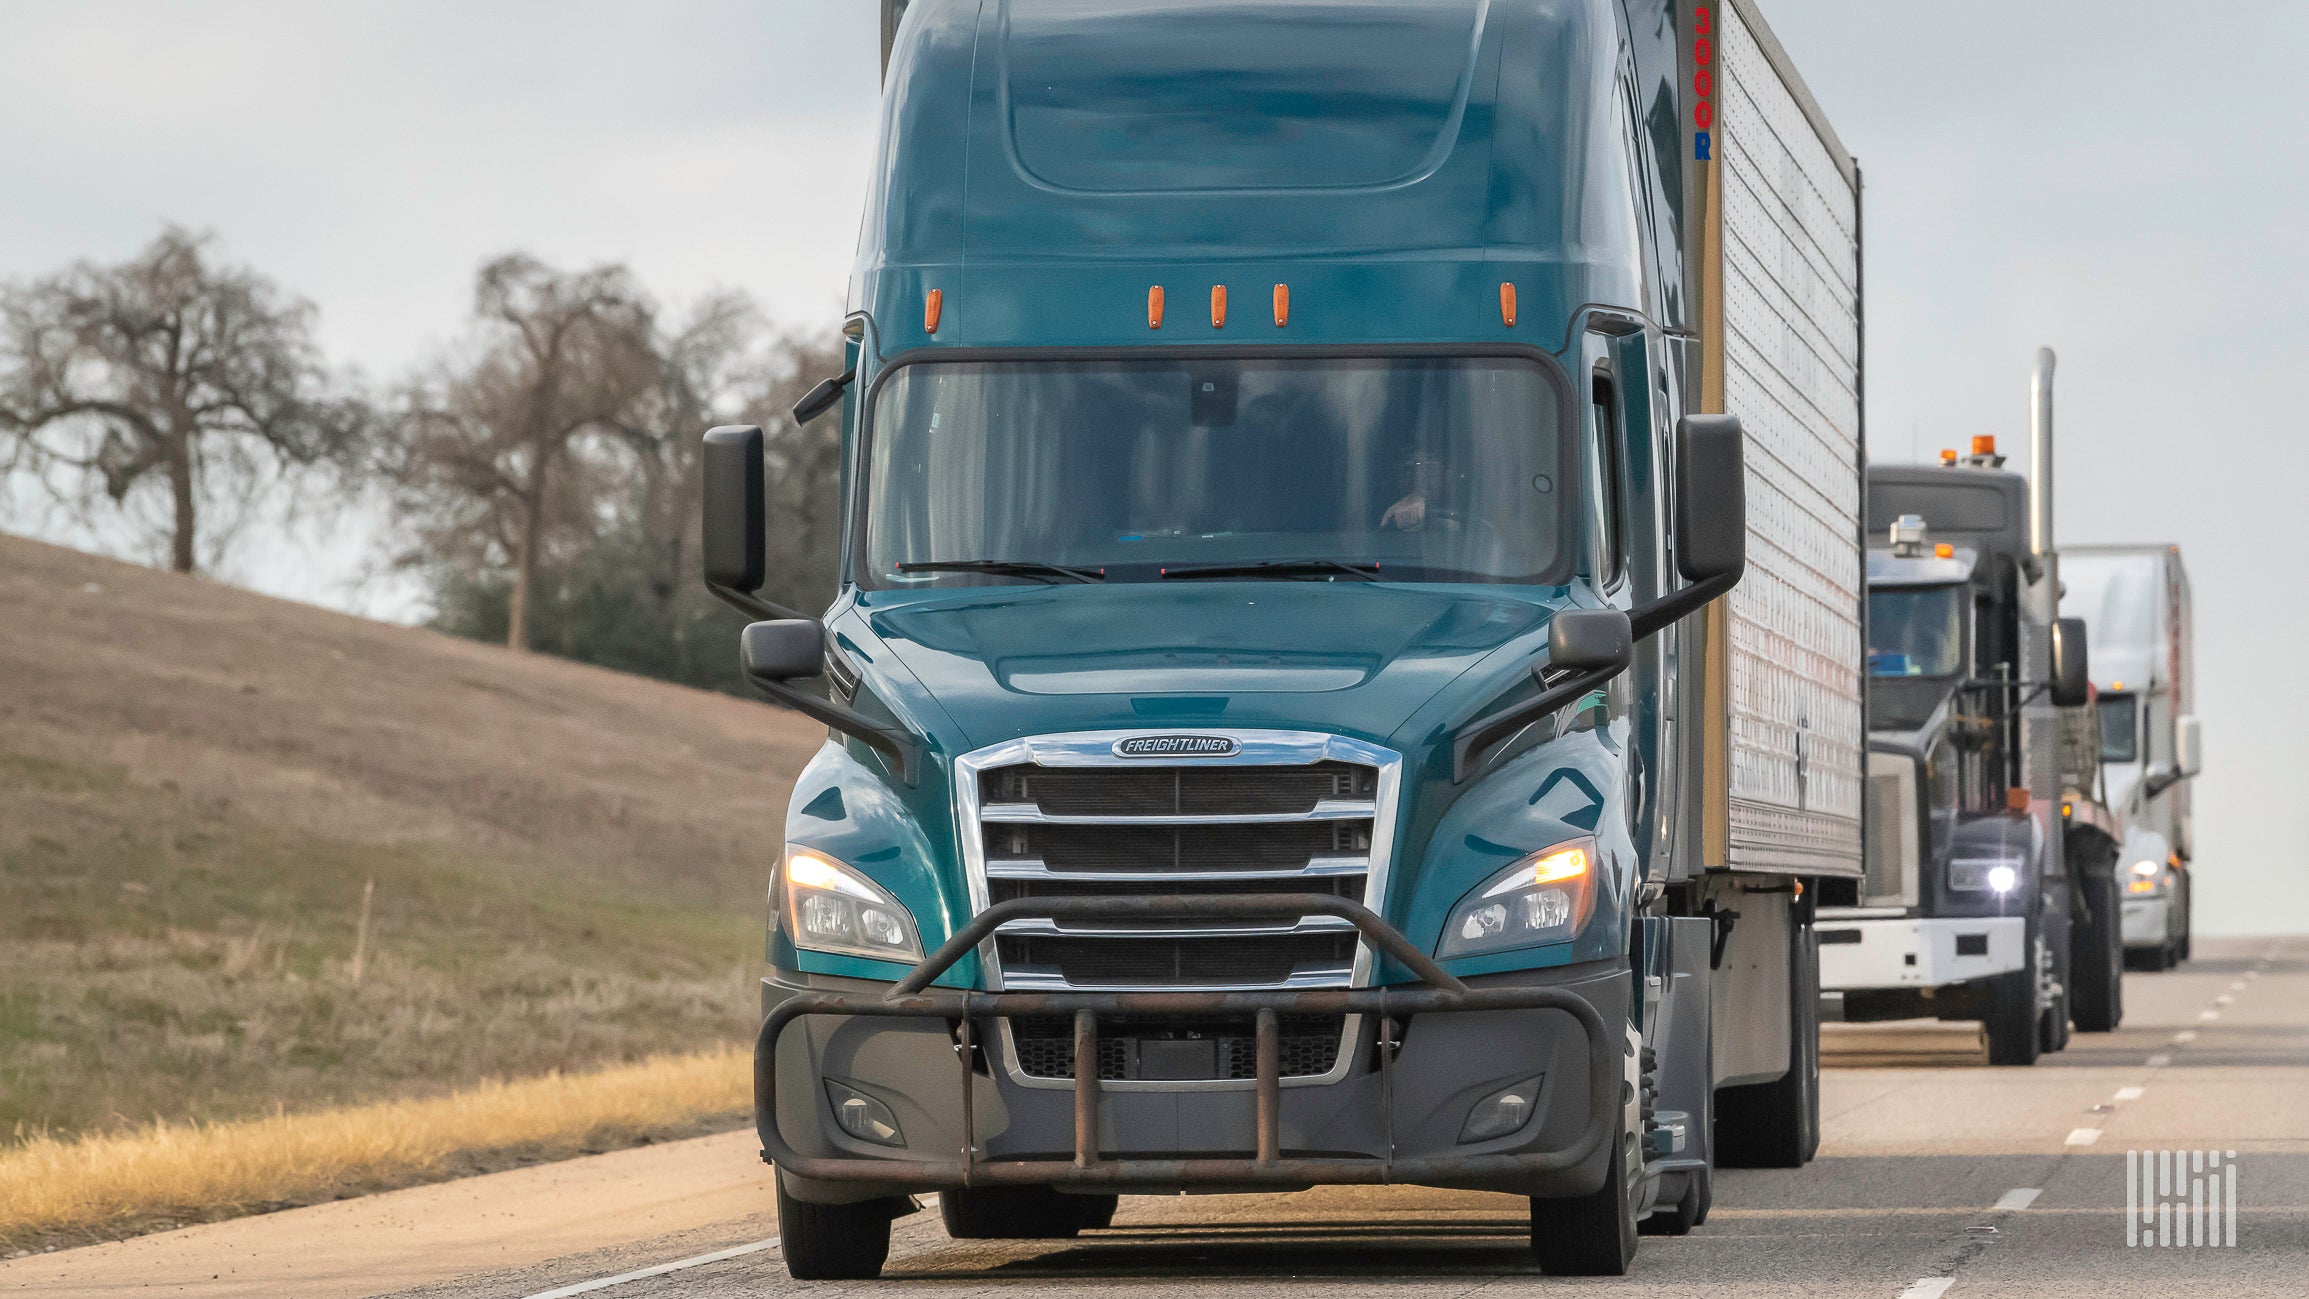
[
  {"x": 1991, "y": 892},
  {"x": 1348, "y": 661}
]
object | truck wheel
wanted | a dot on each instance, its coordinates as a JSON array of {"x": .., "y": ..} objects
[
  {"x": 2055, "y": 1026},
  {"x": 2014, "y": 1018},
  {"x": 1022, "y": 1213},
  {"x": 1689, "y": 1210},
  {"x": 2097, "y": 962},
  {"x": 2188, "y": 915},
  {"x": 833, "y": 1242},
  {"x": 1592, "y": 1234},
  {"x": 1776, "y": 1124}
]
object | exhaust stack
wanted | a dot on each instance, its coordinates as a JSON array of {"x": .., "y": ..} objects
[{"x": 2040, "y": 475}]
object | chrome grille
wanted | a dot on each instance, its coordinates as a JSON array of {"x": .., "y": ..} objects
[
  {"x": 1064, "y": 816},
  {"x": 1202, "y": 790}
]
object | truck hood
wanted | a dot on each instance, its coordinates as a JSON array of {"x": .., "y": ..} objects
[{"x": 988, "y": 664}]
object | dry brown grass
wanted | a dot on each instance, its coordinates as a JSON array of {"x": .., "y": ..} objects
[
  {"x": 91, "y": 1188},
  {"x": 197, "y": 782}
]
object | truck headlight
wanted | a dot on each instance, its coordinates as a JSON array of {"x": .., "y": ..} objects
[
  {"x": 1993, "y": 874},
  {"x": 1544, "y": 898},
  {"x": 828, "y": 907},
  {"x": 2147, "y": 877}
]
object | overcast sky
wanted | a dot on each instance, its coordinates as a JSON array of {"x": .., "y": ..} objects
[{"x": 2119, "y": 179}]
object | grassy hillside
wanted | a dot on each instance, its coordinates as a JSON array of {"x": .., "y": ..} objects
[{"x": 197, "y": 784}]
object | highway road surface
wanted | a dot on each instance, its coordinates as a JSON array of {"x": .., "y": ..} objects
[{"x": 1956, "y": 1181}]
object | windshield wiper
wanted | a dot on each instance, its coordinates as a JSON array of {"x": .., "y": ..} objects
[
  {"x": 1007, "y": 568},
  {"x": 1280, "y": 568}
]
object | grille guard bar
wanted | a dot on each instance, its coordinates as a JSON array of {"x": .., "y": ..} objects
[{"x": 1438, "y": 993}]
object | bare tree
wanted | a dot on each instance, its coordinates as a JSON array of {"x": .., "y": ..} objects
[
  {"x": 166, "y": 367},
  {"x": 486, "y": 454},
  {"x": 702, "y": 372},
  {"x": 803, "y": 463}
]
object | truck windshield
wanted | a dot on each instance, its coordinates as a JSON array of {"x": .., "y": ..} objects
[
  {"x": 1915, "y": 631},
  {"x": 2120, "y": 728},
  {"x": 1429, "y": 469}
]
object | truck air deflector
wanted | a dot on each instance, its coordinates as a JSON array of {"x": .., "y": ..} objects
[{"x": 1437, "y": 993}]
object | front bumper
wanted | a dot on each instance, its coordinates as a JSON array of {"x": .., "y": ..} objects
[
  {"x": 2148, "y": 921},
  {"x": 1917, "y": 952},
  {"x": 1418, "y": 1059}
]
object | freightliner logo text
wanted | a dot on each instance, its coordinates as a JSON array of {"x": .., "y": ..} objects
[{"x": 1176, "y": 746}]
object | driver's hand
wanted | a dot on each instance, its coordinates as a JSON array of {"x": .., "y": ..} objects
[{"x": 1407, "y": 514}]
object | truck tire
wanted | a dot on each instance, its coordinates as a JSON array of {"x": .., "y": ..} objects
[
  {"x": 1592, "y": 1234},
  {"x": 833, "y": 1242},
  {"x": 2014, "y": 1020},
  {"x": 1776, "y": 1124},
  {"x": 1022, "y": 1213},
  {"x": 1689, "y": 1210},
  {"x": 2187, "y": 892},
  {"x": 2097, "y": 960}
]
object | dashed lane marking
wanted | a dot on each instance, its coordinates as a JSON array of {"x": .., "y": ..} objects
[
  {"x": 2159, "y": 1061},
  {"x": 1931, "y": 1287},
  {"x": 679, "y": 1265},
  {"x": 2018, "y": 1198},
  {"x": 2129, "y": 1093},
  {"x": 2084, "y": 1136}
]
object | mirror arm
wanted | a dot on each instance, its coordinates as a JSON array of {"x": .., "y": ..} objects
[
  {"x": 752, "y": 606},
  {"x": 1674, "y": 606},
  {"x": 2155, "y": 785},
  {"x": 1480, "y": 734},
  {"x": 901, "y": 747}
]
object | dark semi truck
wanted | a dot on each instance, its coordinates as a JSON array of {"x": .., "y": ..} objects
[{"x": 1991, "y": 892}]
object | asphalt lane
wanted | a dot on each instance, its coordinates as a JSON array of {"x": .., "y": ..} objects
[{"x": 1957, "y": 1181}]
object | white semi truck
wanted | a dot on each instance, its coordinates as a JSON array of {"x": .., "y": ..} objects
[{"x": 2135, "y": 600}]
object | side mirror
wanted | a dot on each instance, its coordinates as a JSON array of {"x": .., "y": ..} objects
[
  {"x": 1589, "y": 640},
  {"x": 2071, "y": 679},
  {"x": 822, "y": 398},
  {"x": 1711, "y": 498},
  {"x": 2189, "y": 745},
  {"x": 735, "y": 517},
  {"x": 784, "y": 649}
]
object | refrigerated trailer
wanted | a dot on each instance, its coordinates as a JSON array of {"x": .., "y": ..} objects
[
  {"x": 2136, "y": 601},
  {"x": 1990, "y": 892},
  {"x": 1348, "y": 661}
]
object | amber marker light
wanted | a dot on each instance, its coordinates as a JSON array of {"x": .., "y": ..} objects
[
  {"x": 1282, "y": 305},
  {"x": 1568, "y": 864},
  {"x": 1507, "y": 303},
  {"x": 1154, "y": 307},
  {"x": 2016, "y": 799},
  {"x": 1218, "y": 306},
  {"x": 812, "y": 872},
  {"x": 932, "y": 309}
]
